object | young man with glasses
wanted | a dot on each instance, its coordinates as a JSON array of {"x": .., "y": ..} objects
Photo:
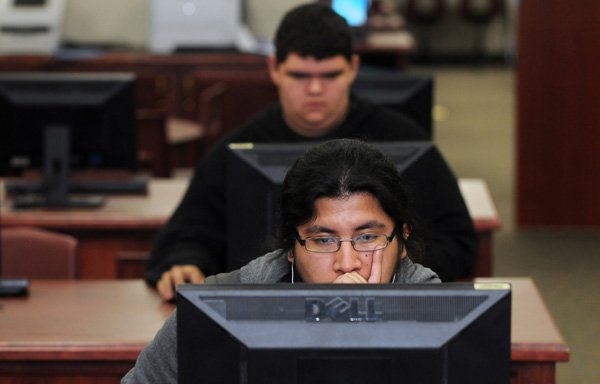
[
  {"x": 313, "y": 69},
  {"x": 345, "y": 219}
]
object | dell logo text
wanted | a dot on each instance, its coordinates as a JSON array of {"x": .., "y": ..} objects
[{"x": 344, "y": 310}]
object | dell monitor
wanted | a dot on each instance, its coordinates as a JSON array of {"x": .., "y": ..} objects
[
  {"x": 336, "y": 333},
  {"x": 59, "y": 122},
  {"x": 255, "y": 173},
  {"x": 409, "y": 94}
]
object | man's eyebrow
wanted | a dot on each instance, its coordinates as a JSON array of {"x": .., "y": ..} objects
[
  {"x": 328, "y": 74},
  {"x": 374, "y": 224},
  {"x": 370, "y": 225},
  {"x": 317, "y": 229}
]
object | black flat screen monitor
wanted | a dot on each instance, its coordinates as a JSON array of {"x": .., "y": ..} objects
[
  {"x": 306, "y": 333},
  {"x": 409, "y": 94},
  {"x": 255, "y": 173},
  {"x": 58, "y": 122}
]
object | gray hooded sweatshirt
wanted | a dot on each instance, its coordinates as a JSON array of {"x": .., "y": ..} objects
[{"x": 157, "y": 363}]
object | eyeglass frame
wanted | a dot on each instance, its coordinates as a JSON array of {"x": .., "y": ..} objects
[{"x": 352, "y": 240}]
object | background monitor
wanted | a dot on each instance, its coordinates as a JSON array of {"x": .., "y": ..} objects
[
  {"x": 63, "y": 121},
  {"x": 255, "y": 175},
  {"x": 409, "y": 94},
  {"x": 199, "y": 25},
  {"x": 356, "y": 12},
  {"x": 308, "y": 333}
]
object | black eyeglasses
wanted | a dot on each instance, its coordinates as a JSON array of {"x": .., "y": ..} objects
[{"x": 365, "y": 242}]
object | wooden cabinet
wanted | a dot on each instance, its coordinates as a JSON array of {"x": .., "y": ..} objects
[{"x": 558, "y": 96}]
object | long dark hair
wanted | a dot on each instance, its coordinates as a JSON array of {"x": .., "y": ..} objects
[{"x": 338, "y": 168}]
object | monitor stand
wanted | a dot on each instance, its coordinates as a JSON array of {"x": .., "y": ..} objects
[{"x": 54, "y": 190}]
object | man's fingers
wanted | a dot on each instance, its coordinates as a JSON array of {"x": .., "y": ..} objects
[
  {"x": 165, "y": 286},
  {"x": 376, "y": 267},
  {"x": 194, "y": 275},
  {"x": 178, "y": 274},
  {"x": 350, "y": 278}
]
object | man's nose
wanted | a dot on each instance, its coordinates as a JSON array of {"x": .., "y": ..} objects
[
  {"x": 315, "y": 84},
  {"x": 347, "y": 258}
]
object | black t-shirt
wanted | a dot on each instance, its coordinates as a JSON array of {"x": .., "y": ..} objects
[{"x": 196, "y": 232}]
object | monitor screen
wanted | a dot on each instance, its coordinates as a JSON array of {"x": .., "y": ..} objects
[
  {"x": 409, "y": 94},
  {"x": 255, "y": 173},
  {"x": 56, "y": 122},
  {"x": 356, "y": 12},
  {"x": 309, "y": 333}
]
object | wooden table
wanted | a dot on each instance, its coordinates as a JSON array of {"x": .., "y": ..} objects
[
  {"x": 486, "y": 220},
  {"x": 124, "y": 224},
  {"x": 114, "y": 240},
  {"x": 79, "y": 331},
  {"x": 537, "y": 344}
]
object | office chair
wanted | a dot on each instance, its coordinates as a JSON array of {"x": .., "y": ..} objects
[{"x": 36, "y": 253}]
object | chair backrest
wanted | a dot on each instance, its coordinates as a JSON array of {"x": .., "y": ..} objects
[{"x": 36, "y": 253}]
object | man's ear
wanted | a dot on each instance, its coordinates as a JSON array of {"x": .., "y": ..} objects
[
  {"x": 405, "y": 231},
  {"x": 354, "y": 65},
  {"x": 290, "y": 256},
  {"x": 272, "y": 66}
]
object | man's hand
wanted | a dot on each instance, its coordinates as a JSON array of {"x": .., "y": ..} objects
[
  {"x": 376, "y": 267},
  {"x": 356, "y": 278},
  {"x": 350, "y": 278},
  {"x": 178, "y": 274}
]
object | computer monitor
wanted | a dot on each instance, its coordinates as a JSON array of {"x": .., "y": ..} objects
[
  {"x": 409, "y": 94},
  {"x": 380, "y": 333},
  {"x": 199, "y": 25},
  {"x": 255, "y": 173},
  {"x": 63, "y": 121},
  {"x": 356, "y": 12}
]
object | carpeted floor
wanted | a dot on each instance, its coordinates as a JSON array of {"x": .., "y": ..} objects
[{"x": 475, "y": 130}]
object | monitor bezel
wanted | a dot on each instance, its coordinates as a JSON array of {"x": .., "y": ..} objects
[{"x": 203, "y": 333}]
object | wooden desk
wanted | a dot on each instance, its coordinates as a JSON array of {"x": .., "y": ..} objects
[
  {"x": 79, "y": 331},
  {"x": 127, "y": 225},
  {"x": 123, "y": 224},
  {"x": 486, "y": 219},
  {"x": 537, "y": 344},
  {"x": 391, "y": 48}
]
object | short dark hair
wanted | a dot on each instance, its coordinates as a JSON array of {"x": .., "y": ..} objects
[
  {"x": 315, "y": 30},
  {"x": 343, "y": 167}
]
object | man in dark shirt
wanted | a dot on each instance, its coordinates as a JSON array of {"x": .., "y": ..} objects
[{"x": 313, "y": 69}]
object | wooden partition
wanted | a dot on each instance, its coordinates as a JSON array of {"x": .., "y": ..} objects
[
  {"x": 228, "y": 99},
  {"x": 165, "y": 84},
  {"x": 558, "y": 114}
]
